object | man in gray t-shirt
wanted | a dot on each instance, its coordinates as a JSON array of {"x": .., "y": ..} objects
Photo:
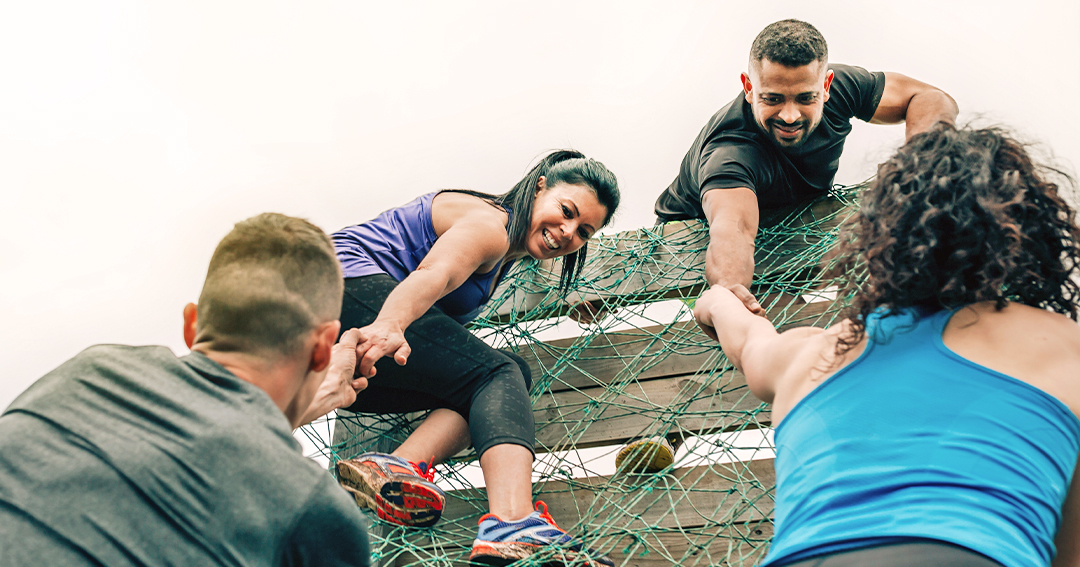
[{"x": 134, "y": 456}]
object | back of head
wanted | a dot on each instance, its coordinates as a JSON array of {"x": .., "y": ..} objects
[
  {"x": 271, "y": 281},
  {"x": 791, "y": 43},
  {"x": 959, "y": 216}
]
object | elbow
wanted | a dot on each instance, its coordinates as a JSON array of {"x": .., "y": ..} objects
[
  {"x": 434, "y": 278},
  {"x": 759, "y": 384},
  {"x": 726, "y": 229},
  {"x": 757, "y": 379}
]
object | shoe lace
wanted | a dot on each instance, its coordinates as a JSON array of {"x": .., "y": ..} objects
[
  {"x": 544, "y": 513},
  {"x": 428, "y": 470}
]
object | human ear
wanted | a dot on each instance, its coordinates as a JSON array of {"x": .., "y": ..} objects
[
  {"x": 828, "y": 84},
  {"x": 747, "y": 87},
  {"x": 541, "y": 184},
  {"x": 191, "y": 314},
  {"x": 325, "y": 337}
]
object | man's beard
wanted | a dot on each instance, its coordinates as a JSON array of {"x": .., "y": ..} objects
[{"x": 802, "y": 130}]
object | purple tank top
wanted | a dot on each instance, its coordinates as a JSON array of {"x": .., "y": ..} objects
[{"x": 396, "y": 241}]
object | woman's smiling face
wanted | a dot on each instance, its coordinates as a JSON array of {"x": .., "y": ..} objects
[{"x": 564, "y": 217}]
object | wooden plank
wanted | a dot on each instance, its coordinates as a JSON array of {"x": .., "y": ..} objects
[
  {"x": 730, "y": 502},
  {"x": 688, "y": 497},
  {"x": 649, "y": 352},
  {"x": 734, "y": 545},
  {"x": 648, "y": 264},
  {"x": 694, "y": 404}
]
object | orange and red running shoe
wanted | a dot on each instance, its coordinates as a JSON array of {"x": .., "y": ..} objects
[{"x": 399, "y": 491}]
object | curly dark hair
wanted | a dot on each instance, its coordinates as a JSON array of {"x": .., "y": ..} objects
[{"x": 959, "y": 216}]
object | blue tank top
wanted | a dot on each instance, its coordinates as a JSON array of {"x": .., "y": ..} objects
[
  {"x": 913, "y": 441},
  {"x": 396, "y": 241}
]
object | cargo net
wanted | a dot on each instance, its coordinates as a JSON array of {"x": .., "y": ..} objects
[{"x": 643, "y": 370}]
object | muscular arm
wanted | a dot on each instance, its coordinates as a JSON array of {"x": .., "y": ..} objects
[
  {"x": 733, "y": 224},
  {"x": 915, "y": 103}
]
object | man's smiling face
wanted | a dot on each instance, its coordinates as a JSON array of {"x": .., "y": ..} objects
[{"x": 787, "y": 102}]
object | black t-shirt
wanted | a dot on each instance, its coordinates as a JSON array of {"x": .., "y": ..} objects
[
  {"x": 132, "y": 456},
  {"x": 732, "y": 151}
]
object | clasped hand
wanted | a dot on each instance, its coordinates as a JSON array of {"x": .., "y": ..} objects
[
  {"x": 340, "y": 385},
  {"x": 703, "y": 307},
  {"x": 377, "y": 340}
]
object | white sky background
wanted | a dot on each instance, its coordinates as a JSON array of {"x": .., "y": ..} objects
[{"x": 134, "y": 134}]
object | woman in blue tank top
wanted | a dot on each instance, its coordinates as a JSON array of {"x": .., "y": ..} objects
[
  {"x": 413, "y": 277},
  {"x": 937, "y": 425}
]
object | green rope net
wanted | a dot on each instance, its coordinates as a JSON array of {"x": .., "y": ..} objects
[{"x": 643, "y": 370}]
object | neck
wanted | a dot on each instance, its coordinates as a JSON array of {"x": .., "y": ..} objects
[
  {"x": 278, "y": 377},
  {"x": 514, "y": 254}
]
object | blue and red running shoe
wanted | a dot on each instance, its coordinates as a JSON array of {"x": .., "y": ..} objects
[
  {"x": 502, "y": 543},
  {"x": 400, "y": 491}
]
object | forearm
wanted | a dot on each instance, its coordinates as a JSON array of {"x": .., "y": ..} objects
[
  {"x": 928, "y": 108},
  {"x": 729, "y": 259},
  {"x": 736, "y": 327}
]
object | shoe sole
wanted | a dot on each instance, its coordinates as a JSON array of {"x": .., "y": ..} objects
[
  {"x": 644, "y": 456},
  {"x": 396, "y": 499},
  {"x": 501, "y": 555}
]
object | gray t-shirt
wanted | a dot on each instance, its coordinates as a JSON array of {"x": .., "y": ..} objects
[{"x": 133, "y": 456}]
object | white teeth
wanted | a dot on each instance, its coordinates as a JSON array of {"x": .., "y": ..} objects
[{"x": 550, "y": 241}]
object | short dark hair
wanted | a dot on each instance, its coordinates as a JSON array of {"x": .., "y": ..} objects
[
  {"x": 791, "y": 43},
  {"x": 272, "y": 279},
  {"x": 958, "y": 216},
  {"x": 559, "y": 166}
]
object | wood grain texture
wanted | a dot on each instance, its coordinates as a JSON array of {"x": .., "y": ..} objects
[{"x": 715, "y": 513}]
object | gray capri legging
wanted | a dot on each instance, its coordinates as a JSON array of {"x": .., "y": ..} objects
[{"x": 448, "y": 368}]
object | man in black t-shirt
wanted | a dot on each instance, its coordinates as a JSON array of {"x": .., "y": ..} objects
[
  {"x": 776, "y": 145},
  {"x": 134, "y": 456},
  {"x": 779, "y": 142}
]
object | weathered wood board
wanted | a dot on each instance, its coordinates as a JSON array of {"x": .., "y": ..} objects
[{"x": 726, "y": 505}]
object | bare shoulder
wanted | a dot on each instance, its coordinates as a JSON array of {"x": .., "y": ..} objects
[
  {"x": 451, "y": 208},
  {"x": 1018, "y": 326},
  {"x": 1033, "y": 345}
]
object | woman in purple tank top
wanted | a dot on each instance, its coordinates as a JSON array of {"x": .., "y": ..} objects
[
  {"x": 937, "y": 424},
  {"x": 414, "y": 276}
]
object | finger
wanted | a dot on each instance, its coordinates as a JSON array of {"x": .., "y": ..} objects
[
  {"x": 402, "y": 354},
  {"x": 350, "y": 338},
  {"x": 748, "y": 299},
  {"x": 367, "y": 362},
  {"x": 359, "y": 385},
  {"x": 580, "y": 312}
]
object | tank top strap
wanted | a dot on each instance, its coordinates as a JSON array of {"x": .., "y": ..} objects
[{"x": 940, "y": 319}]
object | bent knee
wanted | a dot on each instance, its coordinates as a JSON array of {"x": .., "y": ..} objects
[{"x": 523, "y": 367}]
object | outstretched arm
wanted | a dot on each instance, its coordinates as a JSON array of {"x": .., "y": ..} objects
[
  {"x": 733, "y": 224},
  {"x": 471, "y": 241},
  {"x": 915, "y": 103},
  {"x": 750, "y": 342},
  {"x": 340, "y": 385}
]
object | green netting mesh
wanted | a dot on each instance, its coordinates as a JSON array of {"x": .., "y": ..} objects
[{"x": 641, "y": 371}]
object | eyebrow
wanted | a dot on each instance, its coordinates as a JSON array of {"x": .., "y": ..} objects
[{"x": 797, "y": 95}]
